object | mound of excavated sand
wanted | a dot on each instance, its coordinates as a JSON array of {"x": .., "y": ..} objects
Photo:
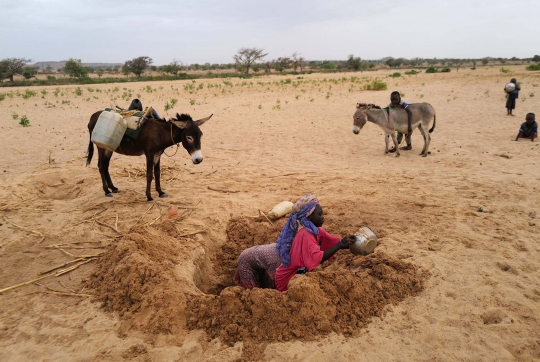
[{"x": 154, "y": 280}]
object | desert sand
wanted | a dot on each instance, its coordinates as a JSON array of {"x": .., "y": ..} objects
[{"x": 455, "y": 276}]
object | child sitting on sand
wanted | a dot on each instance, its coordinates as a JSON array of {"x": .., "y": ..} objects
[
  {"x": 528, "y": 129},
  {"x": 301, "y": 251}
]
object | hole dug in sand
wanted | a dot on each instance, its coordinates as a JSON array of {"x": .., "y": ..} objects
[{"x": 161, "y": 284}]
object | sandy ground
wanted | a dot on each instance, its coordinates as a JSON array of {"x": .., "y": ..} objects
[{"x": 273, "y": 142}]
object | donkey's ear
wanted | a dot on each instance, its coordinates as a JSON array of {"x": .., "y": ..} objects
[
  {"x": 200, "y": 122},
  {"x": 357, "y": 105},
  {"x": 179, "y": 124}
]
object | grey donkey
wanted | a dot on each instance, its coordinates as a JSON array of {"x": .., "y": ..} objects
[{"x": 423, "y": 115}]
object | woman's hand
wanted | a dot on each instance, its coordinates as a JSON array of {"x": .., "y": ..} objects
[{"x": 346, "y": 241}]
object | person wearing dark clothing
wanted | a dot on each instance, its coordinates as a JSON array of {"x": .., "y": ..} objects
[
  {"x": 512, "y": 96},
  {"x": 137, "y": 104},
  {"x": 397, "y": 102},
  {"x": 529, "y": 128}
]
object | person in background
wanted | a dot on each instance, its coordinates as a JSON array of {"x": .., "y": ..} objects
[
  {"x": 529, "y": 128},
  {"x": 397, "y": 102},
  {"x": 512, "y": 96},
  {"x": 137, "y": 104},
  {"x": 302, "y": 251}
]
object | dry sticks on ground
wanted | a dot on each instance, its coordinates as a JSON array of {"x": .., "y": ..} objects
[
  {"x": 55, "y": 274},
  {"x": 31, "y": 232}
]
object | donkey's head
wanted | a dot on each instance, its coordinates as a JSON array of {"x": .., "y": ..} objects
[
  {"x": 360, "y": 117},
  {"x": 191, "y": 135}
]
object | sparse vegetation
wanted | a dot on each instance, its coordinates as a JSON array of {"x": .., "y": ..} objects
[
  {"x": 431, "y": 70},
  {"x": 78, "y": 91},
  {"x": 376, "y": 85},
  {"x": 28, "y": 93},
  {"x": 25, "y": 122},
  {"x": 533, "y": 67},
  {"x": 14, "y": 116},
  {"x": 395, "y": 75},
  {"x": 411, "y": 72}
]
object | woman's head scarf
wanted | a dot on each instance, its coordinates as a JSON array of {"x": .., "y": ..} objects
[{"x": 300, "y": 212}]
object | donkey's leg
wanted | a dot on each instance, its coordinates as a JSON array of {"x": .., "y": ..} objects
[
  {"x": 102, "y": 164},
  {"x": 427, "y": 139},
  {"x": 396, "y": 144},
  {"x": 425, "y": 134},
  {"x": 149, "y": 166},
  {"x": 108, "y": 155},
  {"x": 157, "y": 174},
  {"x": 386, "y": 141}
]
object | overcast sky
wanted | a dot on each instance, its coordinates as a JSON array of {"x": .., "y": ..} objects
[{"x": 212, "y": 30}]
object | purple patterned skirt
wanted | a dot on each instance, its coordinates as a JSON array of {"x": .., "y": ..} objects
[{"x": 257, "y": 267}]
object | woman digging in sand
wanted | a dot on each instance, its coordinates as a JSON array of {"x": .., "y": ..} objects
[
  {"x": 301, "y": 251},
  {"x": 257, "y": 267}
]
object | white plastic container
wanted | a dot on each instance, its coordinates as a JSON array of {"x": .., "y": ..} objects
[
  {"x": 109, "y": 130},
  {"x": 281, "y": 209},
  {"x": 365, "y": 243},
  {"x": 510, "y": 87}
]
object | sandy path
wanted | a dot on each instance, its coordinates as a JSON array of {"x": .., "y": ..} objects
[{"x": 481, "y": 302}]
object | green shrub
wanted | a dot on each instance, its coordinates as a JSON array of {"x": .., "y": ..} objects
[
  {"x": 28, "y": 93},
  {"x": 15, "y": 116},
  {"x": 533, "y": 67},
  {"x": 2, "y": 96},
  {"x": 445, "y": 70},
  {"x": 431, "y": 70},
  {"x": 411, "y": 72},
  {"x": 25, "y": 122},
  {"x": 396, "y": 75},
  {"x": 78, "y": 91},
  {"x": 376, "y": 85},
  {"x": 503, "y": 70},
  {"x": 51, "y": 78}
]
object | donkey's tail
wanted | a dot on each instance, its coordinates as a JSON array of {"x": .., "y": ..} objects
[
  {"x": 434, "y": 123},
  {"x": 89, "y": 153}
]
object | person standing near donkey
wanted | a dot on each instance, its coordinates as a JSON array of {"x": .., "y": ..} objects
[
  {"x": 397, "y": 102},
  {"x": 512, "y": 96}
]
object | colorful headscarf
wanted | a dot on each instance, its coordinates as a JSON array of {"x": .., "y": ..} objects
[{"x": 300, "y": 211}]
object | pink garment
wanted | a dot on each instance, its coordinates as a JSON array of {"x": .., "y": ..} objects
[{"x": 306, "y": 252}]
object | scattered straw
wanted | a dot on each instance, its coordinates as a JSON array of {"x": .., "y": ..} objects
[
  {"x": 31, "y": 232},
  {"x": 12, "y": 207},
  {"x": 222, "y": 190},
  {"x": 266, "y": 217},
  {"x": 58, "y": 273},
  {"x": 191, "y": 233}
]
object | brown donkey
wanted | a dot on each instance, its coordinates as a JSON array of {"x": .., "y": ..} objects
[{"x": 156, "y": 136}]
